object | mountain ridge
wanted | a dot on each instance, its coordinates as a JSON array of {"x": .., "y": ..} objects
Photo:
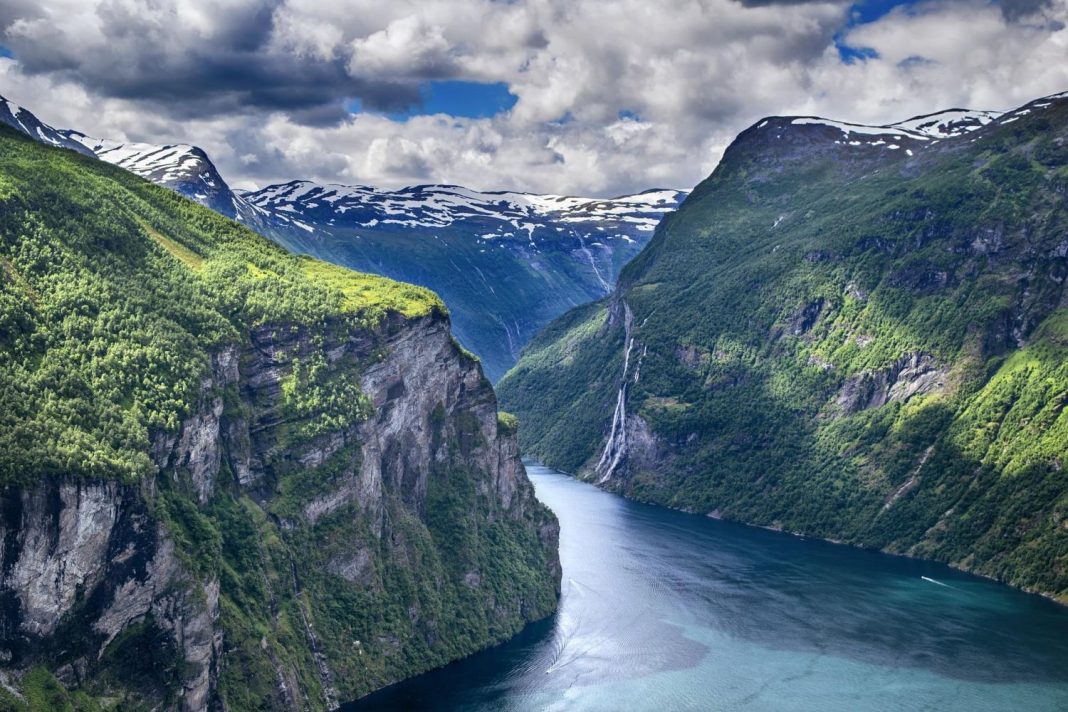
[
  {"x": 545, "y": 252},
  {"x": 842, "y": 340},
  {"x": 233, "y": 477}
]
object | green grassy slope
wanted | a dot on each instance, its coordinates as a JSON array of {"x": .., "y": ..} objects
[
  {"x": 112, "y": 294},
  {"x": 849, "y": 342}
]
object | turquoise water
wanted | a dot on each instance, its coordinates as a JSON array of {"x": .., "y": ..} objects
[{"x": 667, "y": 611}]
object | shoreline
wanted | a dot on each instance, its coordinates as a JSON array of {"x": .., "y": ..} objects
[{"x": 715, "y": 514}]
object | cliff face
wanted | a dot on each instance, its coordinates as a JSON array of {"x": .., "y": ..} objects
[
  {"x": 83, "y": 563},
  {"x": 304, "y": 496},
  {"x": 89, "y": 560},
  {"x": 846, "y": 332}
]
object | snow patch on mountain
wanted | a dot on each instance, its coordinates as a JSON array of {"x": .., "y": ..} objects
[
  {"x": 917, "y": 131},
  {"x": 160, "y": 163},
  {"x": 439, "y": 206},
  {"x": 946, "y": 124},
  {"x": 859, "y": 129}
]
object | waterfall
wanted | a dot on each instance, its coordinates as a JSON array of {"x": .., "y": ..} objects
[
  {"x": 593, "y": 263},
  {"x": 615, "y": 449}
]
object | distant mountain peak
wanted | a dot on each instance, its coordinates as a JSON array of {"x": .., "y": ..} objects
[
  {"x": 439, "y": 205},
  {"x": 23, "y": 120},
  {"x": 181, "y": 167}
]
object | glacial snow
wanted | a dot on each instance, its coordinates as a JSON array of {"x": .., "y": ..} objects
[
  {"x": 926, "y": 128},
  {"x": 437, "y": 206}
]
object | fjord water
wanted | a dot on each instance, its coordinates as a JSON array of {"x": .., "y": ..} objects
[{"x": 668, "y": 611}]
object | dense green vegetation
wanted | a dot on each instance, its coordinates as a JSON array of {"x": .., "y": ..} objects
[
  {"x": 116, "y": 297},
  {"x": 845, "y": 341},
  {"x": 112, "y": 293}
]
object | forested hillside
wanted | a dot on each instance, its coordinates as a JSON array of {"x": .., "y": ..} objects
[{"x": 848, "y": 332}]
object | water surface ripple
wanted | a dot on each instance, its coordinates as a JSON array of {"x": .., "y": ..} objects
[{"x": 668, "y": 611}]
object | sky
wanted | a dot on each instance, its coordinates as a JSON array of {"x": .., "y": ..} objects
[{"x": 580, "y": 97}]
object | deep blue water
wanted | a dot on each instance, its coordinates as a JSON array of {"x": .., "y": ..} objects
[{"x": 666, "y": 611}]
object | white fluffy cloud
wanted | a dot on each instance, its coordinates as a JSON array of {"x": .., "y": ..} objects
[{"x": 613, "y": 95}]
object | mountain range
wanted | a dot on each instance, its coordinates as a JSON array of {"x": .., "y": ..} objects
[
  {"x": 848, "y": 332},
  {"x": 505, "y": 263},
  {"x": 235, "y": 477}
]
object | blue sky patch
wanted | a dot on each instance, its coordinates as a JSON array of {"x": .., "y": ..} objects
[
  {"x": 849, "y": 55},
  {"x": 473, "y": 100},
  {"x": 861, "y": 13},
  {"x": 5, "y": 52},
  {"x": 456, "y": 98}
]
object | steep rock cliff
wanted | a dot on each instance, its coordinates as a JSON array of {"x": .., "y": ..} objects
[{"x": 305, "y": 496}]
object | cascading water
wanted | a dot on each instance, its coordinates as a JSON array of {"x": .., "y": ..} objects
[
  {"x": 615, "y": 449},
  {"x": 593, "y": 263}
]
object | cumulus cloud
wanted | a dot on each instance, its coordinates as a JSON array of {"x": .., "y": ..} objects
[{"x": 612, "y": 95}]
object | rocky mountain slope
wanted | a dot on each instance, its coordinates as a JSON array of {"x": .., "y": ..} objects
[
  {"x": 182, "y": 168},
  {"x": 506, "y": 263},
  {"x": 856, "y": 333},
  {"x": 234, "y": 478}
]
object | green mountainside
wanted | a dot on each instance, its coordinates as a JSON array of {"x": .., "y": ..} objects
[
  {"x": 860, "y": 337},
  {"x": 231, "y": 477}
]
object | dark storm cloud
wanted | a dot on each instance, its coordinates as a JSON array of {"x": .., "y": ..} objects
[
  {"x": 610, "y": 96},
  {"x": 1016, "y": 9},
  {"x": 232, "y": 69}
]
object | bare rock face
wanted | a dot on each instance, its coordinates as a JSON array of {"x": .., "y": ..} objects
[
  {"x": 197, "y": 445},
  {"x": 81, "y": 563},
  {"x": 420, "y": 376},
  {"x": 911, "y": 375},
  {"x": 645, "y": 449},
  {"x": 92, "y": 562}
]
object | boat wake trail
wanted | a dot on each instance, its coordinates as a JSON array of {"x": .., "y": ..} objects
[{"x": 939, "y": 583}]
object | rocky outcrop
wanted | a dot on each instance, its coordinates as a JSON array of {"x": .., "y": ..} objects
[
  {"x": 911, "y": 375},
  {"x": 89, "y": 562},
  {"x": 83, "y": 562}
]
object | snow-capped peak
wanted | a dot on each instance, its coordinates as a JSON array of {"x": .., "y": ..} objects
[
  {"x": 437, "y": 206},
  {"x": 945, "y": 124},
  {"x": 914, "y": 132},
  {"x": 23, "y": 120},
  {"x": 181, "y": 167},
  {"x": 159, "y": 163}
]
